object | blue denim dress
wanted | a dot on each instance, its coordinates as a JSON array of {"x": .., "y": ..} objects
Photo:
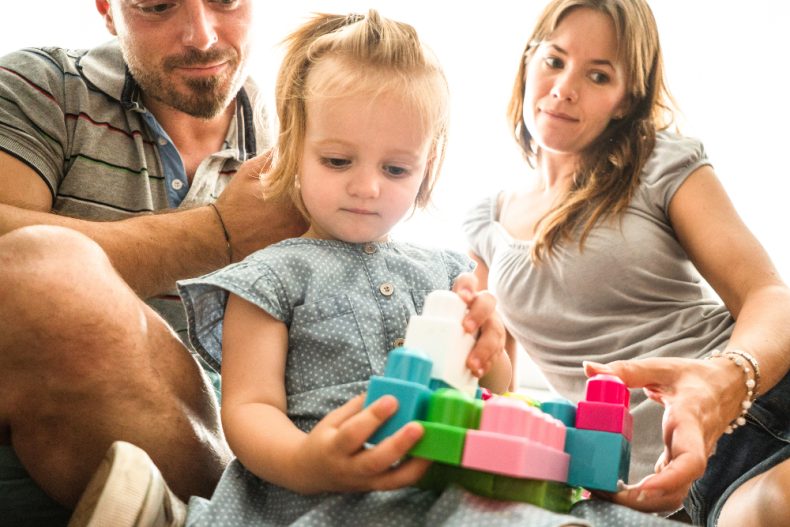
[{"x": 345, "y": 305}]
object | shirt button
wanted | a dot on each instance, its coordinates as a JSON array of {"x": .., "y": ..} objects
[
  {"x": 397, "y": 343},
  {"x": 162, "y": 141},
  {"x": 387, "y": 289},
  {"x": 369, "y": 248},
  {"x": 177, "y": 184}
]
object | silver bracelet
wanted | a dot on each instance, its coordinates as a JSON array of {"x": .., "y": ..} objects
[{"x": 740, "y": 362}]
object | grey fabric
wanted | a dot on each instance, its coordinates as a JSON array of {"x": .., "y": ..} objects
[{"x": 631, "y": 292}]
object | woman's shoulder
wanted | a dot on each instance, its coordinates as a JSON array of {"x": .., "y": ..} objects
[{"x": 673, "y": 155}]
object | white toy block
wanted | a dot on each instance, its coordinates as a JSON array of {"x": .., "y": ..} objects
[{"x": 439, "y": 334}]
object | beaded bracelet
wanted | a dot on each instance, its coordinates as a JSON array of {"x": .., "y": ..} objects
[
  {"x": 224, "y": 232},
  {"x": 740, "y": 361},
  {"x": 753, "y": 362}
]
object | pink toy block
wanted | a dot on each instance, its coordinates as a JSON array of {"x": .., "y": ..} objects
[
  {"x": 604, "y": 417},
  {"x": 603, "y": 388},
  {"x": 606, "y": 407},
  {"x": 517, "y": 440}
]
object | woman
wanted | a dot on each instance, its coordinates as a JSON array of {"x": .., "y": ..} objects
[{"x": 602, "y": 258}]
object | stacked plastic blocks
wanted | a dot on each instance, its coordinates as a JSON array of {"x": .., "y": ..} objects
[{"x": 503, "y": 447}]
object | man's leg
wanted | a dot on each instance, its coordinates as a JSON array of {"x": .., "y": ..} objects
[{"x": 84, "y": 362}]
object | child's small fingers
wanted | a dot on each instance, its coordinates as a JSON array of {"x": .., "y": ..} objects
[
  {"x": 405, "y": 474},
  {"x": 354, "y": 431},
  {"x": 380, "y": 458}
]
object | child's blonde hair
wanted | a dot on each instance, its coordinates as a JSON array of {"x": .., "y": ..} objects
[{"x": 370, "y": 55}]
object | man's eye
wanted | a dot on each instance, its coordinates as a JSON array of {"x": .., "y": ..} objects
[{"x": 156, "y": 8}]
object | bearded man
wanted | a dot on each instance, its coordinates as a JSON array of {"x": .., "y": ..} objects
[{"x": 111, "y": 160}]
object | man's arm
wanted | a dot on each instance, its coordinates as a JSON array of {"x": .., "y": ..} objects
[{"x": 151, "y": 252}]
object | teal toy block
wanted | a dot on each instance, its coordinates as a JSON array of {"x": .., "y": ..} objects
[
  {"x": 450, "y": 413},
  {"x": 598, "y": 459},
  {"x": 406, "y": 377},
  {"x": 561, "y": 409}
]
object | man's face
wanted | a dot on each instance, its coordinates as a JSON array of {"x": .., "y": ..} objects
[{"x": 187, "y": 54}]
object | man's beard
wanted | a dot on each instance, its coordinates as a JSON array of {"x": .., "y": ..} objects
[{"x": 206, "y": 97}]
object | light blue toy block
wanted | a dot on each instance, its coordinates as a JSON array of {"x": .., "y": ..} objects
[
  {"x": 409, "y": 365},
  {"x": 598, "y": 459},
  {"x": 561, "y": 409},
  {"x": 412, "y": 403}
]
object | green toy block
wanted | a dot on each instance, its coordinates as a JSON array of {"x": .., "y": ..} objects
[
  {"x": 550, "y": 495},
  {"x": 450, "y": 413},
  {"x": 440, "y": 442},
  {"x": 439, "y": 476}
]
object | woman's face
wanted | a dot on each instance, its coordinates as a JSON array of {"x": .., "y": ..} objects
[{"x": 575, "y": 84}]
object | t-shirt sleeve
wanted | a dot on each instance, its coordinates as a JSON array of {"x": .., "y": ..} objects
[
  {"x": 205, "y": 299},
  {"x": 33, "y": 112},
  {"x": 673, "y": 160},
  {"x": 477, "y": 226},
  {"x": 456, "y": 264}
]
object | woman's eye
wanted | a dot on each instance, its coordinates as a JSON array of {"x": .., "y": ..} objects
[
  {"x": 553, "y": 62},
  {"x": 599, "y": 78}
]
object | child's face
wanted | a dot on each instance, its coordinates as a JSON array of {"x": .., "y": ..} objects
[{"x": 363, "y": 162}]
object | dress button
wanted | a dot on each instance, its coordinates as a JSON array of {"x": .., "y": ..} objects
[
  {"x": 162, "y": 141},
  {"x": 397, "y": 343},
  {"x": 177, "y": 184},
  {"x": 387, "y": 289},
  {"x": 369, "y": 248}
]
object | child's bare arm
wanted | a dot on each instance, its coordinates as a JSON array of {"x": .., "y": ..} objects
[{"x": 332, "y": 456}]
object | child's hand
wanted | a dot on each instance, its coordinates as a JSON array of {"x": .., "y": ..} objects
[
  {"x": 482, "y": 315},
  {"x": 333, "y": 457}
]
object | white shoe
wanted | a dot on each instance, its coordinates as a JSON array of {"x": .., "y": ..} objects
[{"x": 128, "y": 490}]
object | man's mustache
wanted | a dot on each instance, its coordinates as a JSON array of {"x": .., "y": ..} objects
[{"x": 195, "y": 57}]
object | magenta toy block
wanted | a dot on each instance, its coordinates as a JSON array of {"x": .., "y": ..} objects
[
  {"x": 607, "y": 389},
  {"x": 605, "y": 418},
  {"x": 517, "y": 440}
]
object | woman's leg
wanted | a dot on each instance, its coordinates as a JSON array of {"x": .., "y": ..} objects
[{"x": 762, "y": 501}]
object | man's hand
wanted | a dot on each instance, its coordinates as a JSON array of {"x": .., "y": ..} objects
[{"x": 252, "y": 222}]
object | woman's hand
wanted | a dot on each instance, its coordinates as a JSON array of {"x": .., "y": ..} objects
[
  {"x": 488, "y": 351},
  {"x": 700, "y": 398},
  {"x": 333, "y": 456}
]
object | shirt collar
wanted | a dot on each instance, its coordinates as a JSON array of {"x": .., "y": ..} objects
[{"x": 104, "y": 68}]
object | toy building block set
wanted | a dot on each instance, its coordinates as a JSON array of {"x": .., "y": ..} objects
[{"x": 503, "y": 447}]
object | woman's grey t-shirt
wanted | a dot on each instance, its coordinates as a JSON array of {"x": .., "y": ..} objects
[{"x": 631, "y": 292}]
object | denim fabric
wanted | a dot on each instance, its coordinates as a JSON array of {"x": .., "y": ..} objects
[
  {"x": 22, "y": 502},
  {"x": 752, "y": 449}
]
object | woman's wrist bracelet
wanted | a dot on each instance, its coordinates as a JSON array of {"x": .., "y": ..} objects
[
  {"x": 224, "y": 232},
  {"x": 740, "y": 358},
  {"x": 755, "y": 366}
]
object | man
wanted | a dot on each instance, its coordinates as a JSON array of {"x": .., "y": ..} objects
[{"x": 91, "y": 143}]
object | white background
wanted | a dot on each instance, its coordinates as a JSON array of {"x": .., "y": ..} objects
[{"x": 726, "y": 65}]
